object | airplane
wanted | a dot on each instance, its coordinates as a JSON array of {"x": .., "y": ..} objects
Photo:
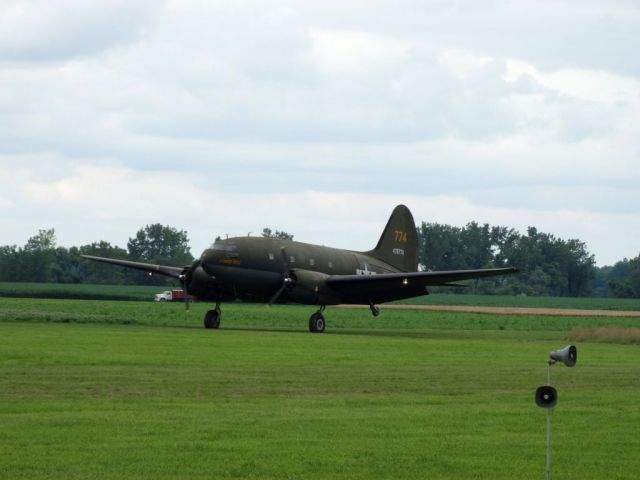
[{"x": 268, "y": 270}]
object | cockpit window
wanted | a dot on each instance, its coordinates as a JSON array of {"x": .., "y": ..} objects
[
  {"x": 226, "y": 251},
  {"x": 225, "y": 247}
]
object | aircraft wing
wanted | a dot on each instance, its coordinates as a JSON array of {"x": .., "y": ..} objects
[
  {"x": 174, "y": 272},
  {"x": 389, "y": 286}
]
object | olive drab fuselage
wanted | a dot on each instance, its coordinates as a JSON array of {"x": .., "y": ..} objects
[{"x": 251, "y": 269}]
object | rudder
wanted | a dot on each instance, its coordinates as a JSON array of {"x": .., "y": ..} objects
[{"x": 398, "y": 245}]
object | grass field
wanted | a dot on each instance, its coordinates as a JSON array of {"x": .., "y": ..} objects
[
  {"x": 80, "y": 291},
  {"x": 100, "y": 389},
  {"x": 146, "y": 293}
]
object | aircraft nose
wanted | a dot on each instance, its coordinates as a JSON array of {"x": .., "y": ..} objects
[
  {"x": 209, "y": 260},
  {"x": 208, "y": 266}
]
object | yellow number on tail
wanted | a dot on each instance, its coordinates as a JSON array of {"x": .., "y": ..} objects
[{"x": 400, "y": 236}]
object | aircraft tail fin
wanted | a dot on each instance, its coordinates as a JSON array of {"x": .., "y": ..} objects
[{"x": 398, "y": 245}]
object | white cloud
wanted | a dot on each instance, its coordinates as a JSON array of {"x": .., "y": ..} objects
[
  {"x": 43, "y": 30},
  {"x": 344, "y": 50},
  {"x": 91, "y": 202},
  {"x": 463, "y": 63},
  {"x": 587, "y": 85}
]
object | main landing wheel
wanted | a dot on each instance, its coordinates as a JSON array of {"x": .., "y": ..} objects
[
  {"x": 212, "y": 318},
  {"x": 316, "y": 322}
]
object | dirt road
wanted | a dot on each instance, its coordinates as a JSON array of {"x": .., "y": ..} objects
[{"x": 569, "y": 312}]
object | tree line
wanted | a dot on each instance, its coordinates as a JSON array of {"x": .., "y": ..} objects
[
  {"x": 41, "y": 260},
  {"x": 548, "y": 265}
]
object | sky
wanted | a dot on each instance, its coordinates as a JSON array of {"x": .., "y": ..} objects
[{"x": 317, "y": 118}]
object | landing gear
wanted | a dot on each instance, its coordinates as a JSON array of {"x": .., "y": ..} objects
[
  {"x": 375, "y": 311},
  {"x": 212, "y": 317},
  {"x": 316, "y": 321}
]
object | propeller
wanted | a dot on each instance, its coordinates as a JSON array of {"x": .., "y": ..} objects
[
  {"x": 288, "y": 278},
  {"x": 184, "y": 281}
]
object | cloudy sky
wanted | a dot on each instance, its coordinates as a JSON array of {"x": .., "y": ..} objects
[{"x": 224, "y": 117}]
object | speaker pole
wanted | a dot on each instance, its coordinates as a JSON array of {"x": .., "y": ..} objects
[
  {"x": 546, "y": 395},
  {"x": 549, "y": 443},
  {"x": 549, "y": 363}
]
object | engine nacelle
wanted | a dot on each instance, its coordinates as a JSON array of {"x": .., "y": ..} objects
[
  {"x": 202, "y": 285},
  {"x": 310, "y": 287}
]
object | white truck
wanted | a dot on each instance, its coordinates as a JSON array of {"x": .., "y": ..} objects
[{"x": 169, "y": 296}]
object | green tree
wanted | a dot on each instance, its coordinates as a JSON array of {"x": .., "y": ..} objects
[
  {"x": 10, "y": 263},
  {"x": 624, "y": 278},
  {"x": 160, "y": 244},
  {"x": 268, "y": 233},
  {"x": 101, "y": 273},
  {"x": 66, "y": 266},
  {"x": 440, "y": 247},
  {"x": 580, "y": 267},
  {"x": 44, "y": 241},
  {"x": 37, "y": 259},
  {"x": 548, "y": 265}
]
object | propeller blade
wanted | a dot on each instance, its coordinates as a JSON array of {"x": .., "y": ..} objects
[
  {"x": 285, "y": 269},
  {"x": 277, "y": 295},
  {"x": 286, "y": 277},
  {"x": 183, "y": 282}
]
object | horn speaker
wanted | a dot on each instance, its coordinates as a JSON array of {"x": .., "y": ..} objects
[
  {"x": 546, "y": 396},
  {"x": 568, "y": 355}
]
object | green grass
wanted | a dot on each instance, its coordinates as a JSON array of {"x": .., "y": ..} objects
[
  {"x": 146, "y": 293},
  {"x": 286, "y": 317},
  {"x": 113, "y": 390},
  {"x": 80, "y": 291},
  {"x": 587, "y": 303}
]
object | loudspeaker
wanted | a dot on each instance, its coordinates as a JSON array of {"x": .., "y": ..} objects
[
  {"x": 546, "y": 396},
  {"x": 568, "y": 355}
]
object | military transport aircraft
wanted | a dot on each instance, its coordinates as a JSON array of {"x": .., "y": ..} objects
[{"x": 266, "y": 270}]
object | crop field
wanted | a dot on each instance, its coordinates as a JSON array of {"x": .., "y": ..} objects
[
  {"x": 80, "y": 291},
  {"x": 146, "y": 293},
  {"x": 116, "y": 390}
]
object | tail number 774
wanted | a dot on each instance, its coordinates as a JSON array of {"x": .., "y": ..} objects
[{"x": 400, "y": 236}]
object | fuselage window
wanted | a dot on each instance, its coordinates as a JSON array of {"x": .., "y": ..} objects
[
  {"x": 292, "y": 259},
  {"x": 312, "y": 262},
  {"x": 330, "y": 264},
  {"x": 271, "y": 256}
]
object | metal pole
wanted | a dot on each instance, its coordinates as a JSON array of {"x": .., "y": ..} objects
[
  {"x": 548, "y": 443},
  {"x": 549, "y": 363}
]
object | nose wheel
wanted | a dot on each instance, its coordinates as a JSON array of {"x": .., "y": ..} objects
[{"x": 316, "y": 321}]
